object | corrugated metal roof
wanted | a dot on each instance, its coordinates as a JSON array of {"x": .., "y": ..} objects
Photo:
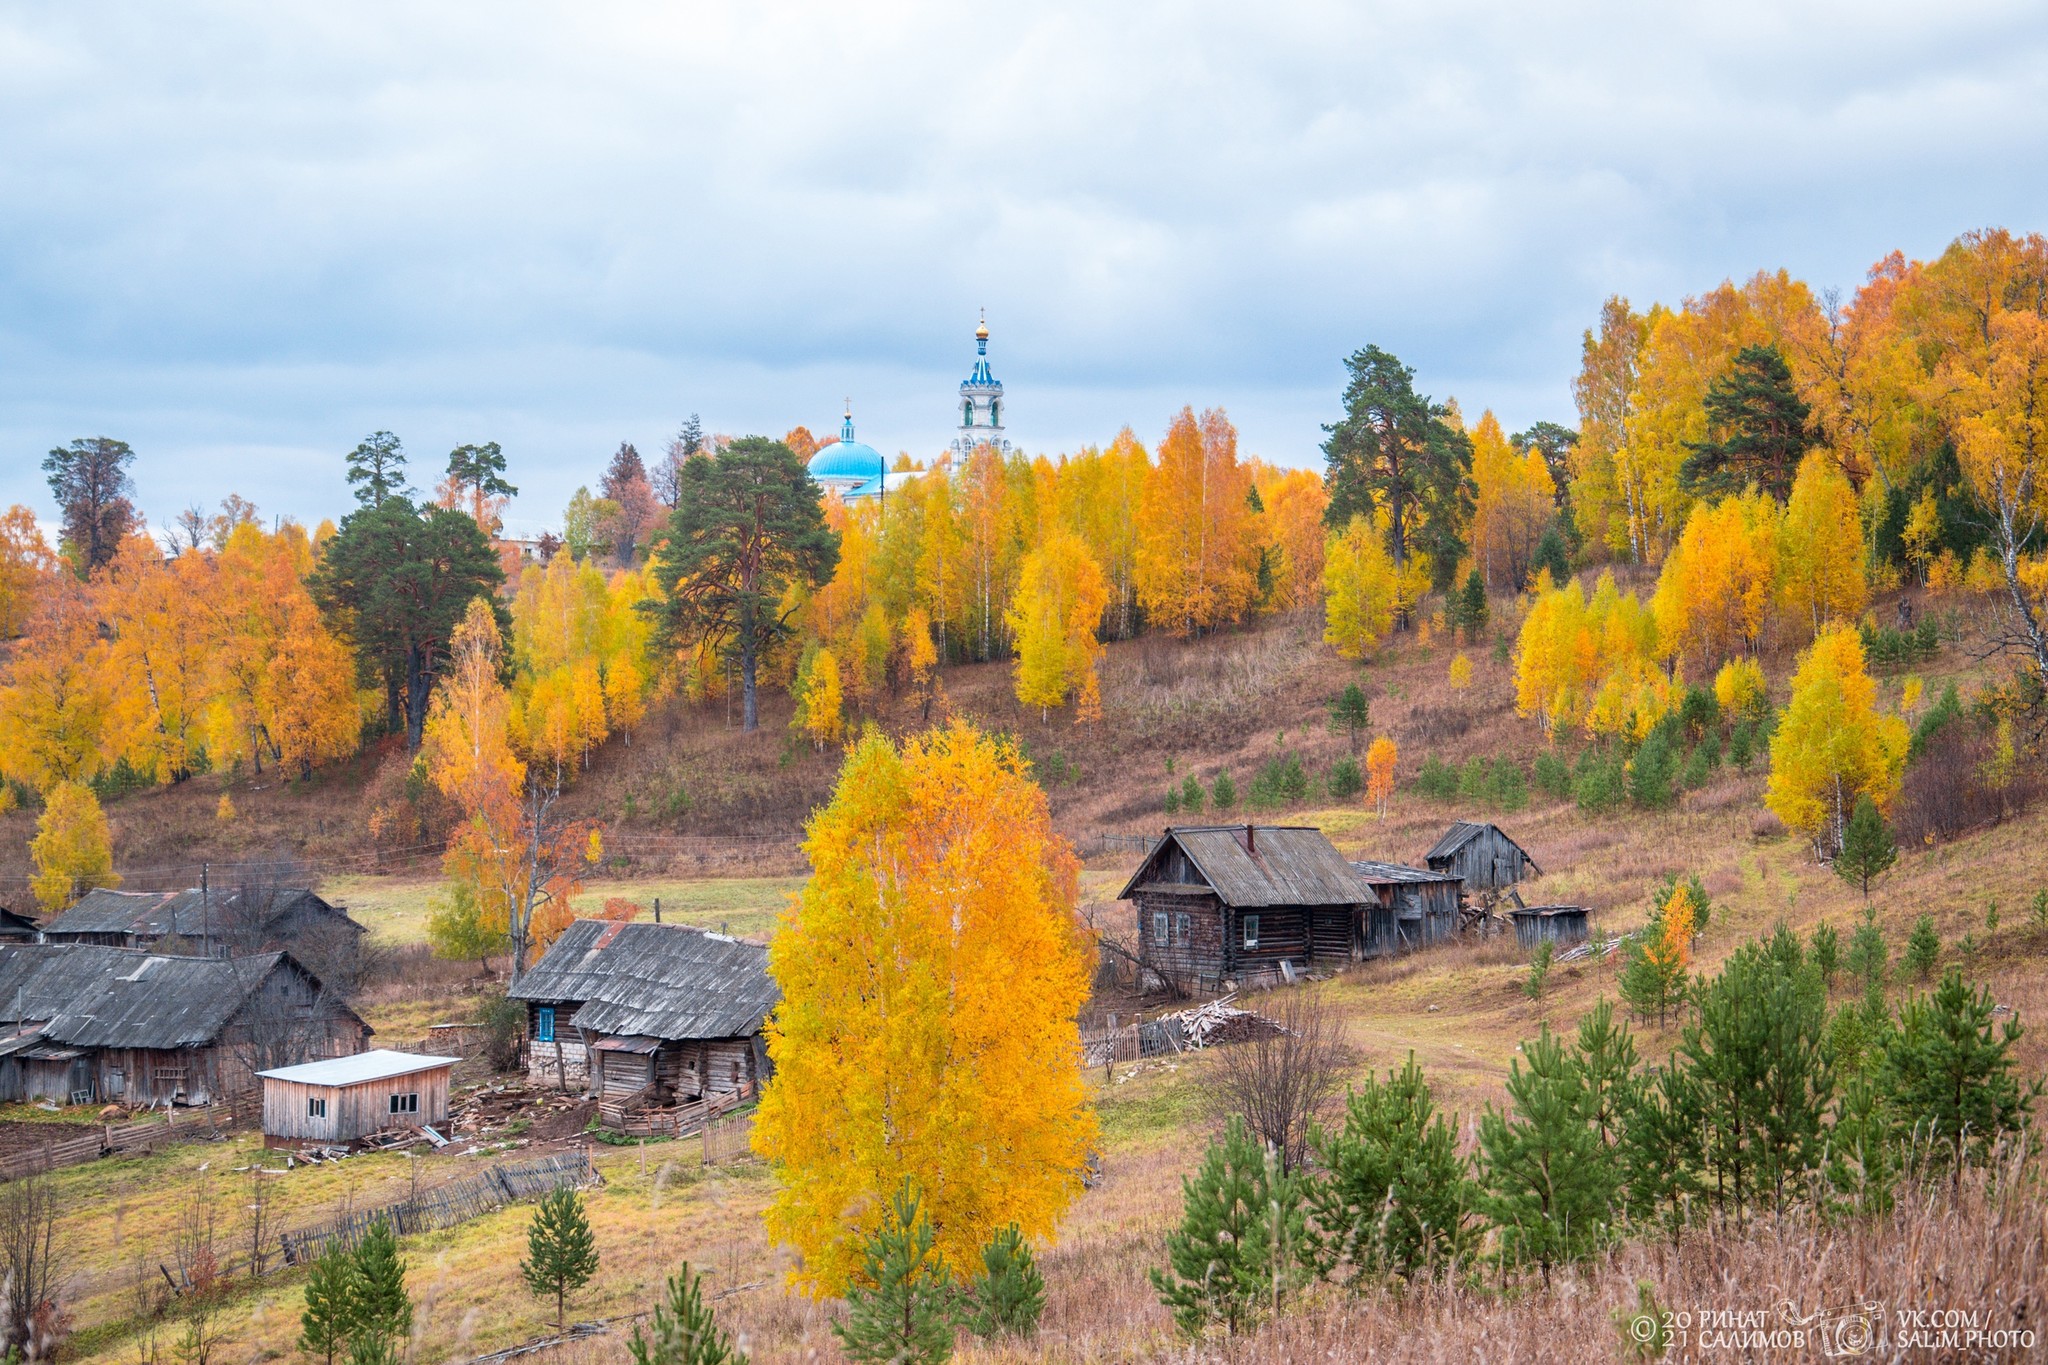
[
  {"x": 1277, "y": 865},
  {"x": 1398, "y": 872},
  {"x": 378, "y": 1064},
  {"x": 657, "y": 980},
  {"x": 121, "y": 997}
]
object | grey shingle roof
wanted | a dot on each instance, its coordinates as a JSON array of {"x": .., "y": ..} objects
[
  {"x": 166, "y": 914},
  {"x": 654, "y": 980},
  {"x": 1277, "y": 865},
  {"x": 1398, "y": 872},
  {"x": 121, "y": 997},
  {"x": 1463, "y": 832}
]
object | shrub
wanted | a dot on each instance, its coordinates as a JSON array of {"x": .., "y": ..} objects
[
  {"x": 1742, "y": 746},
  {"x": 1008, "y": 1296},
  {"x": 502, "y": 1022},
  {"x": 1173, "y": 800},
  {"x": 1697, "y": 769},
  {"x": 1475, "y": 782},
  {"x": 1345, "y": 780},
  {"x": 1191, "y": 797},
  {"x": 1506, "y": 787},
  {"x": 1539, "y": 970},
  {"x": 1825, "y": 953},
  {"x": 1951, "y": 1070},
  {"x": 1437, "y": 778},
  {"x": 684, "y": 1330},
  {"x": 1230, "y": 1256}
]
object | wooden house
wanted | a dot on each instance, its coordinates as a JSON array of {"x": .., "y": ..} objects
[
  {"x": 1417, "y": 907},
  {"x": 16, "y": 928},
  {"x": 648, "y": 1015},
  {"x": 1482, "y": 857},
  {"x": 340, "y": 1101},
  {"x": 82, "y": 1024},
  {"x": 203, "y": 922},
  {"x": 1219, "y": 903},
  {"x": 1560, "y": 924}
]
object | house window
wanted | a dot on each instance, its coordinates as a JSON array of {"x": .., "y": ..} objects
[
  {"x": 1159, "y": 927},
  {"x": 544, "y": 1024},
  {"x": 1251, "y": 931},
  {"x": 406, "y": 1104},
  {"x": 316, "y": 1109},
  {"x": 1183, "y": 928}
]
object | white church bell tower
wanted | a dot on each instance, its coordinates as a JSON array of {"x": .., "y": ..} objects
[{"x": 981, "y": 404}]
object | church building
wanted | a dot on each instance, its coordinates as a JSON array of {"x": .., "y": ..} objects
[
  {"x": 856, "y": 470},
  {"x": 981, "y": 404}
]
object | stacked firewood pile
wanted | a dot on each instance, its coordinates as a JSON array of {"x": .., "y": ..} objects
[{"x": 1219, "y": 1021}]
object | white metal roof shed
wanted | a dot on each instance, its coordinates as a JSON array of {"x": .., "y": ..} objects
[{"x": 378, "y": 1064}]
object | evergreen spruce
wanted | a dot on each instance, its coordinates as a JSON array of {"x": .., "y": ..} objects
[
  {"x": 1867, "y": 847},
  {"x": 1345, "y": 779},
  {"x": 1552, "y": 554},
  {"x": 1923, "y": 948},
  {"x": 380, "y": 1311},
  {"x": 684, "y": 1330},
  {"x": 561, "y": 1252},
  {"x": 1539, "y": 969},
  {"x": 1225, "y": 795},
  {"x": 1545, "y": 1180},
  {"x": 1241, "y": 1230},
  {"x": 899, "y": 1304},
  {"x": 1192, "y": 797},
  {"x": 1949, "y": 1070},
  {"x": 1650, "y": 772},
  {"x": 324, "y": 1325},
  {"x": 1471, "y": 605},
  {"x": 1396, "y": 1196},
  {"x": 1008, "y": 1296}
]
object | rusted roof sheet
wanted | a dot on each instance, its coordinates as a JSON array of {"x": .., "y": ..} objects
[
  {"x": 1270, "y": 865},
  {"x": 121, "y": 997},
  {"x": 1375, "y": 872},
  {"x": 667, "y": 981}
]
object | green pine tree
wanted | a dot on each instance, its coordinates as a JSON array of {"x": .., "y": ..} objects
[
  {"x": 324, "y": 1325},
  {"x": 1546, "y": 1183},
  {"x": 1607, "y": 1071},
  {"x": 1240, "y": 1233},
  {"x": 1471, "y": 605},
  {"x": 1757, "y": 429},
  {"x": 1950, "y": 1075},
  {"x": 1868, "y": 959},
  {"x": 1661, "y": 1153},
  {"x": 1650, "y": 986},
  {"x": 1825, "y": 952},
  {"x": 1396, "y": 1196},
  {"x": 1923, "y": 948},
  {"x": 684, "y": 1330},
  {"x": 898, "y": 1307},
  {"x": 379, "y": 1309},
  {"x": 1867, "y": 847},
  {"x": 1539, "y": 969},
  {"x": 1008, "y": 1296},
  {"x": 1863, "y": 1148},
  {"x": 1350, "y": 713},
  {"x": 1225, "y": 795},
  {"x": 561, "y": 1251}
]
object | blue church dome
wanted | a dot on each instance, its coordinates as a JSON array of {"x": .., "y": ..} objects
[{"x": 846, "y": 462}]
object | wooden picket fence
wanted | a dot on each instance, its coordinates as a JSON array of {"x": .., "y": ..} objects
[
  {"x": 445, "y": 1205},
  {"x": 681, "y": 1121},
  {"x": 197, "y": 1124},
  {"x": 728, "y": 1139}
]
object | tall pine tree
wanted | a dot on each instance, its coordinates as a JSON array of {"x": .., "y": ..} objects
[
  {"x": 1546, "y": 1183},
  {"x": 1394, "y": 451},
  {"x": 379, "y": 1311},
  {"x": 1758, "y": 429},
  {"x": 561, "y": 1252},
  {"x": 1949, "y": 1069}
]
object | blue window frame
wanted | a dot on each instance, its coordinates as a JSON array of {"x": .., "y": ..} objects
[{"x": 544, "y": 1024}]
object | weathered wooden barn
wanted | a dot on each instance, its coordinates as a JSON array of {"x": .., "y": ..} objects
[
  {"x": 16, "y": 928},
  {"x": 647, "y": 1015},
  {"x": 202, "y": 923},
  {"x": 1560, "y": 924},
  {"x": 1219, "y": 903},
  {"x": 1417, "y": 907},
  {"x": 83, "y": 1024},
  {"x": 343, "y": 1100},
  {"x": 1482, "y": 857}
]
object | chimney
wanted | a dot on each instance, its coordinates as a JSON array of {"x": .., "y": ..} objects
[{"x": 1251, "y": 839}]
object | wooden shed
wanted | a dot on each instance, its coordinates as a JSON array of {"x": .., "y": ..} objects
[
  {"x": 343, "y": 1100},
  {"x": 83, "y": 1024},
  {"x": 1560, "y": 924},
  {"x": 1482, "y": 857},
  {"x": 1220, "y": 903},
  {"x": 1417, "y": 907},
  {"x": 648, "y": 1015}
]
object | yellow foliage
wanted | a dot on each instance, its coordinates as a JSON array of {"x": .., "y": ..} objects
[
  {"x": 1910, "y": 692},
  {"x": 73, "y": 849},
  {"x": 1053, "y": 618},
  {"x": 1461, "y": 670},
  {"x": 1580, "y": 662},
  {"x": 58, "y": 696},
  {"x": 1293, "y": 527},
  {"x": 25, "y": 563},
  {"x": 1715, "y": 592},
  {"x": 1833, "y": 745},
  {"x": 1361, "y": 589},
  {"x": 1516, "y": 500},
  {"x": 1670, "y": 948},
  {"x": 1740, "y": 687},
  {"x": 1821, "y": 547},
  {"x": 823, "y": 704},
  {"x": 931, "y": 971},
  {"x": 224, "y": 809},
  {"x": 1380, "y": 758},
  {"x": 1196, "y": 560}
]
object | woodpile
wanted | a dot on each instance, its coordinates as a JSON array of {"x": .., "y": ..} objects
[{"x": 1219, "y": 1021}]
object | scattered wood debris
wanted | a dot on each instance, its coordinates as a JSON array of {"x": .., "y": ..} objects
[{"x": 1219, "y": 1021}]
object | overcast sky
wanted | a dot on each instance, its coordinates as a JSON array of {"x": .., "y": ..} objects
[{"x": 239, "y": 236}]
